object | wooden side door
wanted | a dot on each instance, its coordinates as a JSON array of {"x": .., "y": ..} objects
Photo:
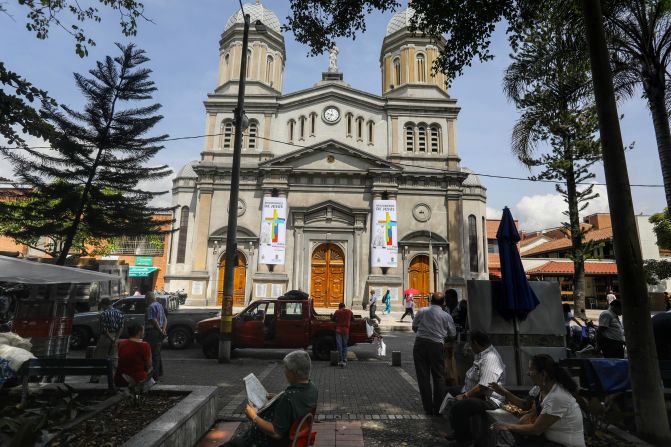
[
  {"x": 418, "y": 275},
  {"x": 239, "y": 281}
]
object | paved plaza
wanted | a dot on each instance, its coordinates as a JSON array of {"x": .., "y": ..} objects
[{"x": 368, "y": 403}]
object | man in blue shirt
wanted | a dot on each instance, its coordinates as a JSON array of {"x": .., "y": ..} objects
[
  {"x": 110, "y": 323},
  {"x": 155, "y": 324},
  {"x": 432, "y": 325}
]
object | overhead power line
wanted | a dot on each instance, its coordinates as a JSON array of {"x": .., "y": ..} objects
[{"x": 501, "y": 177}]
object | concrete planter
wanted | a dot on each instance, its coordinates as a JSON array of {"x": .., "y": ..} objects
[{"x": 185, "y": 423}]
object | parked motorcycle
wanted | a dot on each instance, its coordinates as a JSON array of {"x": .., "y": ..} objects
[{"x": 181, "y": 296}]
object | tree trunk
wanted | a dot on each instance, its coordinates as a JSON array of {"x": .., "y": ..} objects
[
  {"x": 660, "y": 120},
  {"x": 577, "y": 245},
  {"x": 649, "y": 407}
]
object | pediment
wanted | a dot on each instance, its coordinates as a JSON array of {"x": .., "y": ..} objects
[{"x": 329, "y": 156}]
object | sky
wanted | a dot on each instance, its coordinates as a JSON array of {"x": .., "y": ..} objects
[{"x": 182, "y": 41}]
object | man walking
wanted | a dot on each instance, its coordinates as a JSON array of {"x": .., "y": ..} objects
[
  {"x": 373, "y": 305},
  {"x": 343, "y": 318},
  {"x": 432, "y": 325},
  {"x": 610, "y": 296},
  {"x": 611, "y": 333},
  {"x": 110, "y": 323},
  {"x": 155, "y": 324}
]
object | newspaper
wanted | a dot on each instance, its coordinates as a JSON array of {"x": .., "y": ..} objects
[{"x": 257, "y": 394}]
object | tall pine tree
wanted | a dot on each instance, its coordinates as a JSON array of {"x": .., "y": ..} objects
[
  {"x": 86, "y": 188},
  {"x": 548, "y": 81}
]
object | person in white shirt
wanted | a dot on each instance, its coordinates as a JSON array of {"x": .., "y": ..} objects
[
  {"x": 610, "y": 297},
  {"x": 475, "y": 397},
  {"x": 559, "y": 417},
  {"x": 432, "y": 326}
]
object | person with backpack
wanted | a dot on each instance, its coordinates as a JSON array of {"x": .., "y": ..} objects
[{"x": 386, "y": 300}]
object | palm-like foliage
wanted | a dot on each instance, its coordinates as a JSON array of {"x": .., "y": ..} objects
[
  {"x": 641, "y": 53},
  {"x": 549, "y": 83}
]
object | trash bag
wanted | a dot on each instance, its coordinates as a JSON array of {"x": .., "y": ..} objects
[{"x": 381, "y": 348}]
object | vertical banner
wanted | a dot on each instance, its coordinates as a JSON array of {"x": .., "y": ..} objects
[
  {"x": 273, "y": 230},
  {"x": 384, "y": 242}
]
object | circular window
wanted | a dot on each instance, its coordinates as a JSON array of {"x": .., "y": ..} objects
[
  {"x": 330, "y": 159},
  {"x": 421, "y": 212}
]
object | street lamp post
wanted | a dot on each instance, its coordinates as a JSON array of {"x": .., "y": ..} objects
[{"x": 226, "y": 325}]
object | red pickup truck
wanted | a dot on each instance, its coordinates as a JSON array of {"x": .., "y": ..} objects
[{"x": 280, "y": 324}]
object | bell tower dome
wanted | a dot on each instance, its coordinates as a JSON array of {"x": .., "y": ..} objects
[
  {"x": 406, "y": 58},
  {"x": 266, "y": 53}
]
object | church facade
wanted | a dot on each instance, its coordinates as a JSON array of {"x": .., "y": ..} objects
[{"x": 341, "y": 191}]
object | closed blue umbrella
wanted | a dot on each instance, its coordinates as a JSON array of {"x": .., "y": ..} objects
[{"x": 517, "y": 299}]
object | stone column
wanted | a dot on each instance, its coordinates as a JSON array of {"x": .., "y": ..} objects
[
  {"x": 432, "y": 285},
  {"x": 203, "y": 211},
  {"x": 359, "y": 224},
  {"x": 454, "y": 219},
  {"x": 298, "y": 222}
]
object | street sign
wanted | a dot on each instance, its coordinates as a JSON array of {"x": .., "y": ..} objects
[
  {"x": 146, "y": 261},
  {"x": 134, "y": 271}
]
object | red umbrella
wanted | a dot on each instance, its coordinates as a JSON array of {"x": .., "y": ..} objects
[{"x": 409, "y": 291}]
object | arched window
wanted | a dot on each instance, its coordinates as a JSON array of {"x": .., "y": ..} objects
[
  {"x": 301, "y": 128},
  {"x": 359, "y": 129},
  {"x": 270, "y": 63},
  {"x": 397, "y": 72},
  {"x": 421, "y": 68},
  {"x": 252, "y": 134},
  {"x": 292, "y": 125},
  {"x": 226, "y": 134},
  {"x": 473, "y": 242},
  {"x": 249, "y": 63},
  {"x": 409, "y": 137},
  {"x": 435, "y": 139},
  {"x": 313, "y": 124},
  {"x": 370, "y": 128},
  {"x": 484, "y": 241},
  {"x": 349, "y": 124},
  {"x": 183, "y": 233},
  {"x": 421, "y": 138},
  {"x": 226, "y": 61}
]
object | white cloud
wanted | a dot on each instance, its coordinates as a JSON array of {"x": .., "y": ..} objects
[
  {"x": 538, "y": 212},
  {"x": 164, "y": 184},
  {"x": 493, "y": 213}
]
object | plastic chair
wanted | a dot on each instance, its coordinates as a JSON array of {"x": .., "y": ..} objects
[{"x": 301, "y": 431}]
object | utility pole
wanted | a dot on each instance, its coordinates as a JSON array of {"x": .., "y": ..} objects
[
  {"x": 649, "y": 408},
  {"x": 226, "y": 326}
]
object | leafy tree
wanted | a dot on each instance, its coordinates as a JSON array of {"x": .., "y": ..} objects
[
  {"x": 89, "y": 183},
  {"x": 547, "y": 81},
  {"x": 467, "y": 26},
  {"x": 657, "y": 270},
  {"x": 661, "y": 226},
  {"x": 21, "y": 101}
]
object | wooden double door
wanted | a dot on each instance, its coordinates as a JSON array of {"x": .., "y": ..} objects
[
  {"x": 239, "y": 280},
  {"x": 327, "y": 276},
  {"x": 418, "y": 275}
]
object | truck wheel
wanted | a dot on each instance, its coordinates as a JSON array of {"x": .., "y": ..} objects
[
  {"x": 80, "y": 337},
  {"x": 211, "y": 346},
  {"x": 322, "y": 347},
  {"x": 179, "y": 337}
]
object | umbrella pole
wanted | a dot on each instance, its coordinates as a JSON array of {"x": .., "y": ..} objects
[{"x": 516, "y": 348}]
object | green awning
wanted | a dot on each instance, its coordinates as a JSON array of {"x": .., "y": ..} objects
[{"x": 135, "y": 271}]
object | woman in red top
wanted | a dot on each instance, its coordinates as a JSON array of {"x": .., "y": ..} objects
[{"x": 134, "y": 357}]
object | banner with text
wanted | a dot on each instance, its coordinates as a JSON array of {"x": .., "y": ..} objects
[
  {"x": 384, "y": 242},
  {"x": 273, "y": 230}
]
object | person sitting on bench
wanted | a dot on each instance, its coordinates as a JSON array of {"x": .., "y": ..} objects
[
  {"x": 134, "y": 359},
  {"x": 298, "y": 399},
  {"x": 559, "y": 417}
]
